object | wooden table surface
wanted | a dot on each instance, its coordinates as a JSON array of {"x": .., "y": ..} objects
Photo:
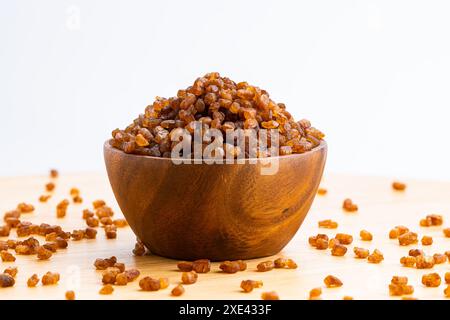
[{"x": 381, "y": 208}]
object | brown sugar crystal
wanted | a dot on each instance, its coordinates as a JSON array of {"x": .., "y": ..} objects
[
  {"x": 54, "y": 173},
  {"x": 7, "y": 256},
  {"x": 149, "y": 284},
  {"x": 328, "y": 224},
  {"x": 33, "y": 281},
  {"x": 12, "y": 271},
  {"x": 343, "y": 238},
  {"x": 447, "y": 292},
  {"x": 139, "y": 248},
  {"x": 339, "y": 250},
  {"x": 44, "y": 198},
  {"x": 322, "y": 191},
  {"x": 415, "y": 252},
  {"x": 424, "y": 262},
  {"x": 281, "y": 263},
  {"x": 375, "y": 257},
  {"x": 177, "y": 290},
  {"x": 61, "y": 208},
  {"x": 431, "y": 220},
  {"x": 25, "y": 207},
  {"x": 217, "y": 103},
  {"x": 365, "y": 235},
  {"x": 315, "y": 293},
  {"x": 427, "y": 241},
  {"x": 265, "y": 266},
  {"x": 361, "y": 253},
  {"x": 271, "y": 295},
  {"x": 120, "y": 223},
  {"x": 397, "y": 231},
  {"x": 230, "y": 266},
  {"x": 249, "y": 285},
  {"x": 111, "y": 232},
  {"x": 6, "y": 280},
  {"x": 102, "y": 264},
  {"x": 70, "y": 295},
  {"x": 447, "y": 232},
  {"x": 185, "y": 266},
  {"x": 98, "y": 204},
  {"x": 349, "y": 206},
  {"x": 201, "y": 266},
  {"x": 407, "y": 238},
  {"x": 90, "y": 233},
  {"x": 447, "y": 277},
  {"x": 439, "y": 258},
  {"x": 408, "y": 261},
  {"x": 332, "y": 281},
  {"x": 189, "y": 277},
  {"x": 50, "y": 278},
  {"x": 132, "y": 274},
  {"x": 431, "y": 280},
  {"x": 43, "y": 253},
  {"x": 106, "y": 289},
  {"x": 398, "y": 186}
]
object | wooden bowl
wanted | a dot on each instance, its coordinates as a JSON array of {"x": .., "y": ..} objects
[{"x": 219, "y": 211}]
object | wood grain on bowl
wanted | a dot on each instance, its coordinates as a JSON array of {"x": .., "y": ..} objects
[{"x": 219, "y": 212}]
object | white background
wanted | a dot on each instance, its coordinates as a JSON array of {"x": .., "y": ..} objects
[{"x": 373, "y": 75}]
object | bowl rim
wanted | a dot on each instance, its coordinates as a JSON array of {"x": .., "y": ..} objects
[{"x": 323, "y": 145}]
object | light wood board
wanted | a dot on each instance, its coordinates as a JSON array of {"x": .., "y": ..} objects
[{"x": 381, "y": 208}]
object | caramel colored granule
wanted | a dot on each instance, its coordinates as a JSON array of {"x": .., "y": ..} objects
[
  {"x": 111, "y": 232},
  {"x": 77, "y": 235},
  {"x": 77, "y": 199},
  {"x": 398, "y": 231},
  {"x": 323, "y": 239},
  {"x": 6, "y": 280},
  {"x": 265, "y": 266},
  {"x": 25, "y": 207},
  {"x": 33, "y": 281},
  {"x": 249, "y": 285},
  {"x": 92, "y": 222},
  {"x": 189, "y": 277},
  {"x": 44, "y": 198},
  {"x": 271, "y": 295},
  {"x": 120, "y": 223},
  {"x": 361, "y": 253},
  {"x": 447, "y": 277},
  {"x": 399, "y": 280},
  {"x": 447, "y": 292},
  {"x": 121, "y": 279},
  {"x": 7, "y": 256},
  {"x": 90, "y": 233},
  {"x": 106, "y": 289},
  {"x": 424, "y": 262},
  {"x": 70, "y": 295},
  {"x": 201, "y": 266},
  {"x": 54, "y": 173},
  {"x": 4, "y": 231},
  {"x": 322, "y": 191},
  {"x": 98, "y": 204},
  {"x": 218, "y": 103},
  {"x": 333, "y": 242},
  {"x": 343, "y": 238},
  {"x": 398, "y": 186},
  {"x": 149, "y": 284},
  {"x": 407, "y": 238},
  {"x": 408, "y": 261},
  {"x": 365, "y": 235},
  {"x": 103, "y": 212},
  {"x": 132, "y": 274},
  {"x": 339, "y": 250},
  {"x": 230, "y": 266},
  {"x": 332, "y": 282},
  {"x": 328, "y": 224},
  {"x": 43, "y": 254},
  {"x": 431, "y": 280},
  {"x": 399, "y": 286},
  {"x": 315, "y": 293},
  {"x": 349, "y": 206},
  {"x": 164, "y": 283},
  {"x": 61, "y": 243},
  {"x": 446, "y": 232},
  {"x": 139, "y": 249},
  {"x": 439, "y": 258},
  {"x": 281, "y": 263},
  {"x": 416, "y": 252},
  {"x": 431, "y": 220},
  {"x": 12, "y": 271},
  {"x": 178, "y": 290},
  {"x": 61, "y": 208},
  {"x": 106, "y": 221},
  {"x": 375, "y": 257},
  {"x": 185, "y": 266},
  {"x": 103, "y": 264},
  {"x": 50, "y": 278}
]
